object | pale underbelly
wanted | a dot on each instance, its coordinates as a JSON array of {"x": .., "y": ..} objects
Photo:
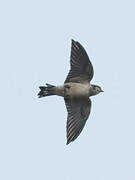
[{"x": 77, "y": 90}]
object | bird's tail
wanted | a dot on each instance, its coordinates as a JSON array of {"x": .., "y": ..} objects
[{"x": 47, "y": 90}]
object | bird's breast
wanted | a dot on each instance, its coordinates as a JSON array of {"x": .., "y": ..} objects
[{"x": 76, "y": 90}]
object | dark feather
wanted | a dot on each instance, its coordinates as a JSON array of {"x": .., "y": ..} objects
[
  {"x": 78, "y": 113},
  {"x": 81, "y": 69}
]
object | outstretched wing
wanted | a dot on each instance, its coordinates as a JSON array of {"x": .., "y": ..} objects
[
  {"x": 78, "y": 113},
  {"x": 81, "y": 69}
]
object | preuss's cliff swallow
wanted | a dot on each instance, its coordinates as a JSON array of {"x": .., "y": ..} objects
[{"x": 76, "y": 91}]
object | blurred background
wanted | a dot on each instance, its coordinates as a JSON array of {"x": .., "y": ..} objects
[{"x": 35, "y": 43}]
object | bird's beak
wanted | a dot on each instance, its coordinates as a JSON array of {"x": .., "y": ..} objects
[{"x": 101, "y": 90}]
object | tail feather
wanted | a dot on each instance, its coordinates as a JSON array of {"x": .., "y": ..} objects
[
  {"x": 49, "y": 85},
  {"x": 47, "y": 90}
]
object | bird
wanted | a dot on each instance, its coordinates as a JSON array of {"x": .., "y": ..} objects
[{"x": 76, "y": 91}]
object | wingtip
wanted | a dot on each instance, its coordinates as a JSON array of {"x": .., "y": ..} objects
[
  {"x": 75, "y": 43},
  {"x": 72, "y": 40},
  {"x": 67, "y": 143}
]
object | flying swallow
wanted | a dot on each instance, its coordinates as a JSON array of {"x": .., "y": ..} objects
[{"x": 76, "y": 91}]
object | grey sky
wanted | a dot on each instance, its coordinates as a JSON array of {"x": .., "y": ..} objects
[{"x": 35, "y": 41}]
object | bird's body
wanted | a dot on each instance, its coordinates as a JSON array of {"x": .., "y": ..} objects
[
  {"x": 73, "y": 90},
  {"x": 76, "y": 91}
]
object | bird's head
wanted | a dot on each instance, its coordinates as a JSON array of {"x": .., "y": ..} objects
[{"x": 96, "y": 89}]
